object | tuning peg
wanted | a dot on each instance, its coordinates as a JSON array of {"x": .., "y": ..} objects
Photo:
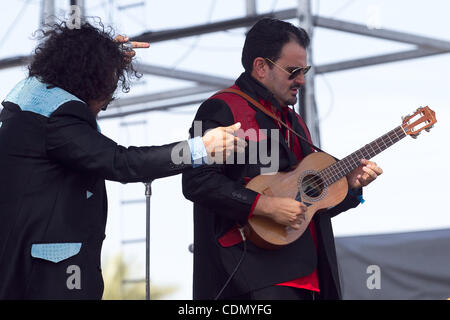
[{"x": 429, "y": 128}]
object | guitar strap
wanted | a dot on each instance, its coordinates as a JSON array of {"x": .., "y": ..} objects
[{"x": 268, "y": 113}]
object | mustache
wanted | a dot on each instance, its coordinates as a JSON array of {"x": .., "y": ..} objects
[{"x": 295, "y": 87}]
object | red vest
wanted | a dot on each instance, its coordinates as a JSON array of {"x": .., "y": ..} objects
[
  {"x": 241, "y": 111},
  {"x": 245, "y": 114}
]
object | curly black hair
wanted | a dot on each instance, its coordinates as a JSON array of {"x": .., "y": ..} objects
[{"x": 84, "y": 61}]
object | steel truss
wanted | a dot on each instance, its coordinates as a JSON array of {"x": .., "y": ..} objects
[{"x": 206, "y": 84}]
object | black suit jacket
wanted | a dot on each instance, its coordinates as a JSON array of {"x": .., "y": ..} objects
[
  {"x": 52, "y": 192},
  {"x": 221, "y": 201}
]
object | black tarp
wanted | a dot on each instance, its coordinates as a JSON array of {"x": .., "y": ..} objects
[{"x": 412, "y": 265}]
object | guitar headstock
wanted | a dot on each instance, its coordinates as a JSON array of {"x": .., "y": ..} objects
[{"x": 423, "y": 119}]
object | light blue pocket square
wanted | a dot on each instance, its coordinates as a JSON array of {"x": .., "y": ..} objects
[{"x": 55, "y": 252}]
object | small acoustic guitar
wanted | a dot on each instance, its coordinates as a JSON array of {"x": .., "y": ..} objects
[{"x": 319, "y": 181}]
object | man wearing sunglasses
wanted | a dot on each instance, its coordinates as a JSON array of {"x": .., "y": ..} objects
[{"x": 226, "y": 266}]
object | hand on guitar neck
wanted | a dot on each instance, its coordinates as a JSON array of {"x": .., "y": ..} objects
[
  {"x": 285, "y": 211},
  {"x": 363, "y": 174}
]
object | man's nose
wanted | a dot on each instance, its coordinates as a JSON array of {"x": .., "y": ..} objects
[{"x": 300, "y": 79}]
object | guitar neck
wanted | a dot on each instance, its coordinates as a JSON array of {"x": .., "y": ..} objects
[{"x": 342, "y": 167}]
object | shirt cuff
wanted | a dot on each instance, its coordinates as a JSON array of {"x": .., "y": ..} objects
[
  {"x": 253, "y": 206},
  {"x": 357, "y": 195},
  {"x": 198, "y": 151}
]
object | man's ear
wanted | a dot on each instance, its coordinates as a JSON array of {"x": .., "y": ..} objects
[{"x": 259, "y": 68}]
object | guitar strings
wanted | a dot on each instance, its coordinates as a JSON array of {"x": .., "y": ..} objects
[
  {"x": 314, "y": 182},
  {"x": 335, "y": 171},
  {"x": 319, "y": 181}
]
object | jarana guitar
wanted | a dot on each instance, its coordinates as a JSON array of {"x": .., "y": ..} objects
[{"x": 319, "y": 181}]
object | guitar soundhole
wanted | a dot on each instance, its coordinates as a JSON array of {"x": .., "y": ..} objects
[{"x": 312, "y": 185}]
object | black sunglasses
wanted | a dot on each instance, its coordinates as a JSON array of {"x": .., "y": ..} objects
[{"x": 292, "y": 71}]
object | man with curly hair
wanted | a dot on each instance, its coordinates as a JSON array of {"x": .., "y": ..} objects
[{"x": 54, "y": 161}]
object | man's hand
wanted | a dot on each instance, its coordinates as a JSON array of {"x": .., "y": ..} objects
[
  {"x": 135, "y": 44},
  {"x": 222, "y": 141},
  {"x": 285, "y": 211},
  {"x": 364, "y": 174}
]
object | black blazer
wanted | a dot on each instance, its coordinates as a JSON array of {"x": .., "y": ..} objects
[
  {"x": 221, "y": 201},
  {"x": 52, "y": 192}
]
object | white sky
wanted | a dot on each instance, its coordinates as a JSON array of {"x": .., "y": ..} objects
[{"x": 355, "y": 106}]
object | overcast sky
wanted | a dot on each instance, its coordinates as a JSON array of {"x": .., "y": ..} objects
[{"x": 355, "y": 106}]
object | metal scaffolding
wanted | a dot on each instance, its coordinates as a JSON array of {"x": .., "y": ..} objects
[
  {"x": 423, "y": 47},
  {"x": 206, "y": 84}
]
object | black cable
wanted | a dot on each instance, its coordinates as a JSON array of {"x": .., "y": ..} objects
[{"x": 244, "y": 240}]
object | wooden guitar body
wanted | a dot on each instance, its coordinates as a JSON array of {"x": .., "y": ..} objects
[
  {"x": 304, "y": 184},
  {"x": 320, "y": 182}
]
